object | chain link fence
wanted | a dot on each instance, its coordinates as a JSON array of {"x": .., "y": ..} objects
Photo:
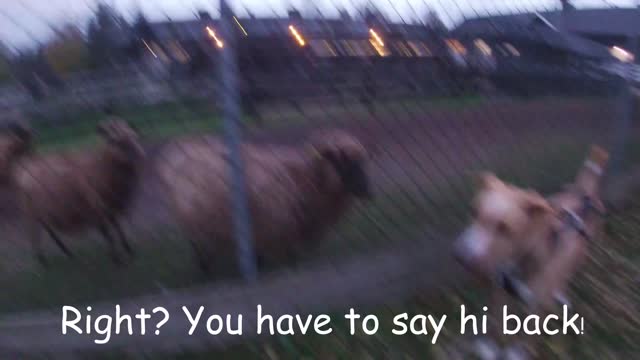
[{"x": 425, "y": 94}]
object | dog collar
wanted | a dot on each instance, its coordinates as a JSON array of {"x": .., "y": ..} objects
[{"x": 593, "y": 166}]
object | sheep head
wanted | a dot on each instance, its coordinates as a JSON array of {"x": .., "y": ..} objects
[
  {"x": 15, "y": 141},
  {"x": 123, "y": 136},
  {"x": 340, "y": 160}
]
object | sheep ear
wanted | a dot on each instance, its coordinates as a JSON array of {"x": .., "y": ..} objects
[
  {"x": 312, "y": 152},
  {"x": 101, "y": 130}
]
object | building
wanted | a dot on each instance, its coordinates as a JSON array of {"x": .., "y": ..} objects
[
  {"x": 285, "y": 50},
  {"x": 568, "y": 35},
  {"x": 560, "y": 46}
]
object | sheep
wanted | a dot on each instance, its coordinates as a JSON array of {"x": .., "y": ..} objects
[
  {"x": 294, "y": 194},
  {"x": 68, "y": 192},
  {"x": 15, "y": 141}
]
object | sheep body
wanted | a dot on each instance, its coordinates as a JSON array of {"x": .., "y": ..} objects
[
  {"x": 293, "y": 195},
  {"x": 73, "y": 191}
]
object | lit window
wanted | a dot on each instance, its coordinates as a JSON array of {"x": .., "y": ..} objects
[
  {"x": 346, "y": 45},
  {"x": 512, "y": 49},
  {"x": 329, "y": 48},
  {"x": 484, "y": 48},
  {"x": 402, "y": 49},
  {"x": 456, "y": 46},
  {"x": 178, "y": 52},
  {"x": 376, "y": 37},
  {"x": 322, "y": 48},
  {"x": 380, "y": 49},
  {"x": 360, "y": 49},
  {"x": 297, "y": 35},
  {"x": 621, "y": 54},
  {"x": 212, "y": 34},
  {"x": 419, "y": 48},
  {"x": 158, "y": 52}
]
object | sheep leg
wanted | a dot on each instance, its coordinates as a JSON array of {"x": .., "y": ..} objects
[
  {"x": 54, "y": 236},
  {"x": 35, "y": 235},
  {"x": 104, "y": 230},
  {"x": 122, "y": 236},
  {"x": 204, "y": 264}
]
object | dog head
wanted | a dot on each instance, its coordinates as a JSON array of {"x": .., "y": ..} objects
[
  {"x": 504, "y": 225},
  {"x": 15, "y": 141},
  {"x": 342, "y": 160},
  {"x": 119, "y": 133}
]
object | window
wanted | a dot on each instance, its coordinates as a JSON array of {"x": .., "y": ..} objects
[
  {"x": 348, "y": 48},
  {"x": 456, "y": 46},
  {"x": 322, "y": 48},
  {"x": 621, "y": 54},
  {"x": 511, "y": 49},
  {"x": 178, "y": 52},
  {"x": 484, "y": 48},
  {"x": 380, "y": 49},
  {"x": 419, "y": 48},
  {"x": 402, "y": 49},
  {"x": 156, "y": 49}
]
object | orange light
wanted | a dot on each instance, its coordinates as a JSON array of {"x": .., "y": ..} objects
[
  {"x": 376, "y": 37},
  {"x": 297, "y": 35},
  {"x": 213, "y": 35}
]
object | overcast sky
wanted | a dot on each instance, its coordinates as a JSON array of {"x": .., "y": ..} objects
[{"x": 23, "y": 22}]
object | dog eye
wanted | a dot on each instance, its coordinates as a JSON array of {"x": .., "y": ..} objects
[{"x": 502, "y": 228}]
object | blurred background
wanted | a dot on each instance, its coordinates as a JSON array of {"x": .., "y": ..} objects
[{"x": 439, "y": 90}]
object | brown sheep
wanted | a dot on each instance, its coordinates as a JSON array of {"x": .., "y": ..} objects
[
  {"x": 15, "y": 141},
  {"x": 294, "y": 195},
  {"x": 73, "y": 191}
]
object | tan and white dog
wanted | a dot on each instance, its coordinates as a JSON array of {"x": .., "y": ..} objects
[{"x": 529, "y": 246}]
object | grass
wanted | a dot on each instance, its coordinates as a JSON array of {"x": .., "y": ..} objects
[
  {"x": 399, "y": 214},
  {"x": 77, "y": 129},
  {"x": 396, "y": 215},
  {"x": 605, "y": 293},
  {"x": 157, "y": 121}
]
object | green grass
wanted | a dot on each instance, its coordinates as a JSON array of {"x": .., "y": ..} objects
[
  {"x": 158, "y": 121},
  {"x": 605, "y": 293},
  {"x": 165, "y": 261},
  {"x": 398, "y": 214},
  {"x": 77, "y": 128}
]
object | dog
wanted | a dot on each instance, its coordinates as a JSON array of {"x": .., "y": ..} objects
[{"x": 528, "y": 246}]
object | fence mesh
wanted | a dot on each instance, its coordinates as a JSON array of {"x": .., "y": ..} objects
[{"x": 228, "y": 101}]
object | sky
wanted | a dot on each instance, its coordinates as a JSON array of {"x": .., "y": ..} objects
[{"x": 25, "y": 23}]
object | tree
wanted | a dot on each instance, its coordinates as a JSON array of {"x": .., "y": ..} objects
[
  {"x": 67, "y": 51},
  {"x": 371, "y": 13},
  {"x": 433, "y": 21},
  {"x": 142, "y": 28},
  {"x": 33, "y": 71},
  {"x": 108, "y": 36},
  {"x": 5, "y": 69}
]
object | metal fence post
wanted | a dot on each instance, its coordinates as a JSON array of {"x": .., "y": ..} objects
[
  {"x": 624, "y": 123},
  {"x": 232, "y": 132}
]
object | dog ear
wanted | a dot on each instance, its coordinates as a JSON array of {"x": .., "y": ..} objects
[
  {"x": 488, "y": 180},
  {"x": 535, "y": 205}
]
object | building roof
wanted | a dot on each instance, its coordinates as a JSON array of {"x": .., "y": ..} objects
[
  {"x": 544, "y": 28},
  {"x": 608, "y": 21}
]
